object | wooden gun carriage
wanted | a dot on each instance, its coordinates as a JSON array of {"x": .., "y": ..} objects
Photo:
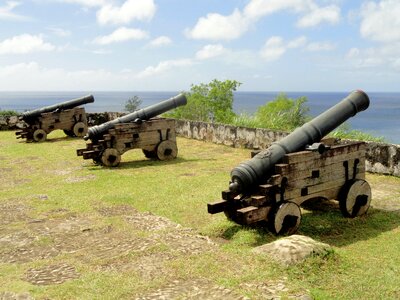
[
  {"x": 156, "y": 137},
  {"x": 335, "y": 172},
  {"x": 276, "y": 181},
  {"x": 65, "y": 116},
  {"x": 139, "y": 129}
]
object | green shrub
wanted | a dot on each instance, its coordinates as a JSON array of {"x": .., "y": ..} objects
[
  {"x": 212, "y": 102},
  {"x": 8, "y": 113},
  {"x": 345, "y": 132},
  {"x": 132, "y": 104},
  {"x": 283, "y": 113},
  {"x": 246, "y": 120}
]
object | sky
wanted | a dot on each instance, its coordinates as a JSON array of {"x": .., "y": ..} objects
[{"x": 168, "y": 45}]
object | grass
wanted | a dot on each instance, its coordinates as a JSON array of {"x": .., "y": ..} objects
[
  {"x": 7, "y": 113},
  {"x": 49, "y": 196}
]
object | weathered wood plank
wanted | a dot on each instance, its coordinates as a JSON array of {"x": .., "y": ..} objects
[
  {"x": 252, "y": 214},
  {"x": 336, "y": 150}
]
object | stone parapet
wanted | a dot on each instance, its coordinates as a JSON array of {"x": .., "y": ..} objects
[{"x": 381, "y": 158}]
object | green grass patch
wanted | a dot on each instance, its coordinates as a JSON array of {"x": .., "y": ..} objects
[{"x": 49, "y": 197}]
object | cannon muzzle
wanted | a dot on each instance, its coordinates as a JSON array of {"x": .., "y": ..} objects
[
  {"x": 139, "y": 115},
  {"x": 57, "y": 107},
  {"x": 250, "y": 173}
]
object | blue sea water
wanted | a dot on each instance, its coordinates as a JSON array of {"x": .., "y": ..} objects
[{"x": 382, "y": 118}]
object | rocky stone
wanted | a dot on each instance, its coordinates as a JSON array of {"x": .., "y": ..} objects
[{"x": 293, "y": 249}]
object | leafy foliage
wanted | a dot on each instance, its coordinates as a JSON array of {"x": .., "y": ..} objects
[
  {"x": 212, "y": 102},
  {"x": 345, "y": 132},
  {"x": 283, "y": 113},
  {"x": 132, "y": 104},
  {"x": 8, "y": 113}
]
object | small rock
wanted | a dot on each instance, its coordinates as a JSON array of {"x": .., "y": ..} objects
[{"x": 293, "y": 249}]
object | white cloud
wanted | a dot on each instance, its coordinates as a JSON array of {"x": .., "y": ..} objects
[
  {"x": 273, "y": 49},
  {"x": 260, "y": 8},
  {"x": 219, "y": 27},
  {"x": 32, "y": 76},
  {"x": 210, "y": 51},
  {"x": 329, "y": 14},
  {"x": 381, "y": 21},
  {"x": 164, "y": 66},
  {"x": 88, "y": 3},
  {"x": 353, "y": 52},
  {"x": 320, "y": 46},
  {"x": 160, "y": 41},
  {"x": 59, "y": 31},
  {"x": 25, "y": 43},
  {"x": 297, "y": 43},
  {"x": 385, "y": 57},
  {"x": 121, "y": 34},
  {"x": 142, "y": 10},
  {"x": 6, "y": 12}
]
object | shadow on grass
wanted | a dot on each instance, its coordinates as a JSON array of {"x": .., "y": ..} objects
[
  {"x": 327, "y": 225},
  {"x": 332, "y": 228},
  {"x": 137, "y": 164},
  {"x": 51, "y": 140}
]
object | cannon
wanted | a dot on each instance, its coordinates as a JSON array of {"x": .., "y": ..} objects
[
  {"x": 271, "y": 187},
  {"x": 65, "y": 116},
  {"x": 140, "y": 129}
]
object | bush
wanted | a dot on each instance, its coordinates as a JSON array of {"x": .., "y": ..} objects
[
  {"x": 132, "y": 104},
  {"x": 212, "y": 102},
  {"x": 283, "y": 113},
  {"x": 345, "y": 132},
  {"x": 8, "y": 113}
]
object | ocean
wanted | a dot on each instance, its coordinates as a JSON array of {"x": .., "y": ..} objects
[{"x": 381, "y": 119}]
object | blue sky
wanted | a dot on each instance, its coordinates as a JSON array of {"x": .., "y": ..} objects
[{"x": 167, "y": 45}]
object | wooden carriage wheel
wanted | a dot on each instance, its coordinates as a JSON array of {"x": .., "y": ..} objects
[
  {"x": 80, "y": 129},
  {"x": 355, "y": 198},
  {"x": 69, "y": 132},
  {"x": 149, "y": 153},
  {"x": 286, "y": 219},
  {"x": 110, "y": 157},
  {"x": 39, "y": 135},
  {"x": 167, "y": 150}
]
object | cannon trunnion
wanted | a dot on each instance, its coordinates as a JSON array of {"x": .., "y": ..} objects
[
  {"x": 338, "y": 173},
  {"x": 65, "y": 116}
]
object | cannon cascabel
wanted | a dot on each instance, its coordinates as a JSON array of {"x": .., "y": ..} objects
[{"x": 250, "y": 173}]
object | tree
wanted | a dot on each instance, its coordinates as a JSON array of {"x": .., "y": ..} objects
[
  {"x": 212, "y": 102},
  {"x": 132, "y": 104},
  {"x": 283, "y": 113}
]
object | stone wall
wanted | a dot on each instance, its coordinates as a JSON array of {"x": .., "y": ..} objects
[{"x": 380, "y": 157}]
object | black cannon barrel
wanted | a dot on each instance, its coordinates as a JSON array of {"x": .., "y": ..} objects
[
  {"x": 141, "y": 114},
  {"x": 250, "y": 173},
  {"x": 59, "y": 106}
]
